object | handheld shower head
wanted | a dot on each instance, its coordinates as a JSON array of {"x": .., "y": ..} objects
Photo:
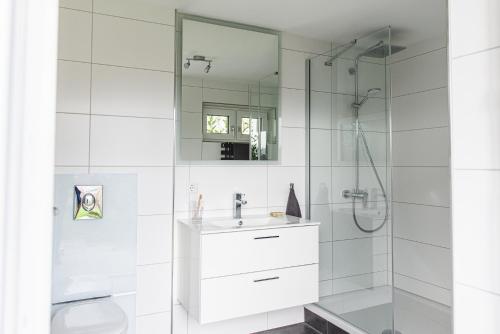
[
  {"x": 373, "y": 91},
  {"x": 370, "y": 93}
]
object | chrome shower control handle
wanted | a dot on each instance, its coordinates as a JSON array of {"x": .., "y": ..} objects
[{"x": 363, "y": 195}]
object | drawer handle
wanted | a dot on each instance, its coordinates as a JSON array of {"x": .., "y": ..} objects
[
  {"x": 266, "y": 279},
  {"x": 268, "y": 237}
]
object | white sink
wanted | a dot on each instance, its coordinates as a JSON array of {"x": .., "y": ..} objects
[
  {"x": 237, "y": 223},
  {"x": 251, "y": 222}
]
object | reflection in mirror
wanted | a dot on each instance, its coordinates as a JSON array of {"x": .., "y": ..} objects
[{"x": 227, "y": 101}]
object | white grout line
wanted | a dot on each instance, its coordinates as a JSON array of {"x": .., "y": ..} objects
[
  {"x": 477, "y": 52},
  {"x": 418, "y": 55},
  {"x": 116, "y": 16},
  {"x": 421, "y": 242}
]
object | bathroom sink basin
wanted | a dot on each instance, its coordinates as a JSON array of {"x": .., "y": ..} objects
[
  {"x": 237, "y": 223},
  {"x": 246, "y": 223}
]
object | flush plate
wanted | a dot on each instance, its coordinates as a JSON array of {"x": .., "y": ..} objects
[{"x": 87, "y": 202}]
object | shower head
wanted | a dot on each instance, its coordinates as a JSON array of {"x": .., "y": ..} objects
[
  {"x": 380, "y": 50},
  {"x": 370, "y": 93}
]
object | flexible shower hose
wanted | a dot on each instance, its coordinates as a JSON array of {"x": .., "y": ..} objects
[{"x": 372, "y": 164}]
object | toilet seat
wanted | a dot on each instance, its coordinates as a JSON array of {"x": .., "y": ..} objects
[{"x": 97, "y": 316}]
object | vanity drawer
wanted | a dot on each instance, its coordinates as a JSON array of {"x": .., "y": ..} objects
[
  {"x": 249, "y": 251},
  {"x": 240, "y": 295}
]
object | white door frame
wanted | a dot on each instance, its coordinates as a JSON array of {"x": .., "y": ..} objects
[{"x": 28, "y": 63}]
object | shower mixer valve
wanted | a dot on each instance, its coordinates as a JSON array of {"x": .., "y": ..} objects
[{"x": 363, "y": 195}]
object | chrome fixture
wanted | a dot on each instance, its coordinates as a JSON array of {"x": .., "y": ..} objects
[
  {"x": 344, "y": 49},
  {"x": 363, "y": 195},
  {"x": 207, "y": 68},
  {"x": 371, "y": 92},
  {"x": 238, "y": 201},
  {"x": 87, "y": 202},
  {"x": 378, "y": 50}
]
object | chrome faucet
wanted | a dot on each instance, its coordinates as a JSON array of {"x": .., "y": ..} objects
[{"x": 238, "y": 201}]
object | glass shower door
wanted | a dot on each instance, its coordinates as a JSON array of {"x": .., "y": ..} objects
[{"x": 349, "y": 180}]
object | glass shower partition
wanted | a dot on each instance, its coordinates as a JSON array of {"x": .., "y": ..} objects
[{"x": 348, "y": 98}]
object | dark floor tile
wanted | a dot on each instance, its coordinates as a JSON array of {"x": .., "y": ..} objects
[
  {"x": 315, "y": 321},
  {"x": 301, "y": 328},
  {"x": 332, "y": 329}
]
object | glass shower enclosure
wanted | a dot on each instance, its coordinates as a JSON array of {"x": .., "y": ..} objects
[{"x": 348, "y": 99}]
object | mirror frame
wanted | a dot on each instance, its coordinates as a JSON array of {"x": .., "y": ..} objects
[{"x": 179, "y": 17}]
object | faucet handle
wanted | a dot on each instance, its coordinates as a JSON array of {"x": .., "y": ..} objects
[{"x": 240, "y": 197}]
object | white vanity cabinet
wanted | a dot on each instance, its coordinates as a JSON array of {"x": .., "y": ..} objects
[{"x": 232, "y": 272}]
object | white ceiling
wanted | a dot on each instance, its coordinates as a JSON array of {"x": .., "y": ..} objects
[{"x": 329, "y": 20}]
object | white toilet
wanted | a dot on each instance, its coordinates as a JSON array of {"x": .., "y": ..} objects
[
  {"x": 98, "y": 316},
  {"x": 93, "y": 281}
]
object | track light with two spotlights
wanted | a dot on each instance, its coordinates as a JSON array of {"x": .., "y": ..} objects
[{"x": 207, "y": 68}]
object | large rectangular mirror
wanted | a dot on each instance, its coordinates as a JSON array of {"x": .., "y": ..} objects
[{"x": 227, "y": 84}]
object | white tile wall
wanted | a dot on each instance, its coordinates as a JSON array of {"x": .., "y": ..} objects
[
  {"x": 359, "y": 282},
  {"x": 72, "y": 139},
  {"x": 423, "y": 289},
  {"x": 219, "y": 195},
  {"x": 74, "y": 35},
  {"x": 147, "y": 11},
  {"x": 132, "y": 43},
  {"x": 476, "y": 265},
  {"x": 475, "y": 310},
  {"x": 423, "y": 262},
  {"x": 192, "y": 98},
  {"x": 359, "y": 256},
  {"x": 153, "y": 288},
  {"x": 325, "y": 261},
  {"x": 293, "y": 149},
  {"x": 422, "y": 223},
  {"x": 483, "y": 30},
  {"x": 73, "y": 87},
  {"x": 153, "y": 323},
  {"x": 132, "y": 92},
  {"x": 423, "y": 110},
  {"x": 292, "y": 107},
  {"x": 321, "y": 103},
  {"x": 152, "y": 233},
  {"x": 114, "y": 141},
  {"x": 422, "y": 185},
  {"x": 426, "y": 147},
  {"x": 293, "y": 69},
  {"x": 323, "y": 213},
  {"x": 476, "y": 82},
  {"x": 76, "y": 4},
  {"x": 279, "y": 179},
  {"x": 135, "y": 136},
  {"x": 321, "y": 155},
  {"x": 343, "y": 227},
  {"x": 421, "y": 73},
  {"x": 320, "y": 185},
  {"x": 420, "y": 176}
]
